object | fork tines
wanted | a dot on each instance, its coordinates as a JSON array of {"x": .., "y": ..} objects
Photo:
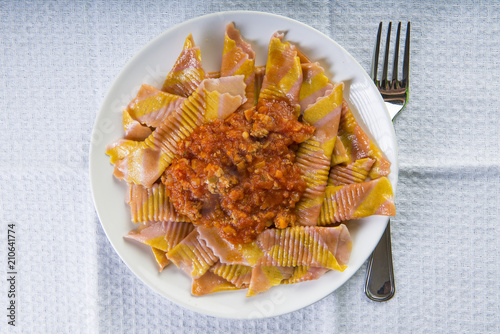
[{"x": 394, "y": 83}]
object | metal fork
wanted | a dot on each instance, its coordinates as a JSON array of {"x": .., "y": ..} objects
[{"x": 380, "y": 274}]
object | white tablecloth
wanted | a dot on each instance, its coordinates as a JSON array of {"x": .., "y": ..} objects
[{"x": 57, "y": 61}]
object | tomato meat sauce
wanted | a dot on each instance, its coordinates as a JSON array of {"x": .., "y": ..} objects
[{"x": 238, "y": 175}]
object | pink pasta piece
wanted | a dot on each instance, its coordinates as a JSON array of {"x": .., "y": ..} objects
[
  {"x": 238, "y": 58},
  {"x": 152, "y": 106},
  {"x": 192, "y": 255},
  {"x": 243, "y": 254},
  {"x": 133, "y": 129},
  {"x": 210, "y": 283},
  {"x": 161, "y": 235},
  {"x": 151, "y": 234},
  {"x": 265, "y": 277}
]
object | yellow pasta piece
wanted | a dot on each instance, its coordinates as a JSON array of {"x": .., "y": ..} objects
[
  {"x": 160, "y": 257},
  {"x": 306, "y": 246},
  {"x": 151, "y": 204},
  {"x": 339, "y": 154},
  {"x": 357, "y": 200},
  {"x": 305, "y": 273},
  {"x": 237, "y": 274}
]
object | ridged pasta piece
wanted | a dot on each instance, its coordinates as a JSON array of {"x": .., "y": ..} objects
[
  {"x": 210, "y": 283},
  {"x": 283, "y": 76},
  {"x": 187, "y": 72},
  {"x": 122, "y": 148},
  {"x": 152, "y": 106},
  {"x": 222, "y": 96},
  {"x": 237, "y": 274},
  {"x": 303, "y": 58},
  {"x": 160, "y": 257},
  {"x": 357, "y": 200},
  {"x": 238, "y": 58},
  {"x": 327, "y": 247},
  {"x": 265, "y": 277},
  {"x": 315, "y": 84},
  {"x": 305, "y": 273},
  {"x": 212, "y": 75},
  {"x": 314, "y": 155},
  {"x": 151, "y": 204},
  {"x": 133, "y": 129},
  {"x": 339, "y": 154},
  {"x": 143, "y": 165},
  {"x": 144, "y": 162},
  {"x": 358, "y": 145},
  {"x": 192, "y": 255},
  {"x": 355, "y": 172},
  {"x": 161, "y": 236},
  {"x": 260, "y": 72},
  {"x": 151, "y": 234},
  {"x": 244, "y": 254}
]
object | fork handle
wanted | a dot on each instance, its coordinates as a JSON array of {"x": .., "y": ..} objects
[{"x": 379, "y": 285}]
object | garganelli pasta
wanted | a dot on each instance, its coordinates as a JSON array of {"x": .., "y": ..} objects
[
  {"x": 245, "y": 178},
  {"x": 151, "y": 106},
  {"x": 187, "y": 72}
]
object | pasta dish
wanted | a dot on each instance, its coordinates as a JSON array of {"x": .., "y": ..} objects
[{"x": 246, "y": 178}]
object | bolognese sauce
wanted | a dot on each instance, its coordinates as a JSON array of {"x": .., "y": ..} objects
[{"x": 238, "y": 175}]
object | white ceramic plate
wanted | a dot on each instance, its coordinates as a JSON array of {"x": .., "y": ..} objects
[{"x": 151, "y": 65}]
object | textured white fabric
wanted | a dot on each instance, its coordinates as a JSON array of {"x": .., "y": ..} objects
[{"x": 57, "y": 60}]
